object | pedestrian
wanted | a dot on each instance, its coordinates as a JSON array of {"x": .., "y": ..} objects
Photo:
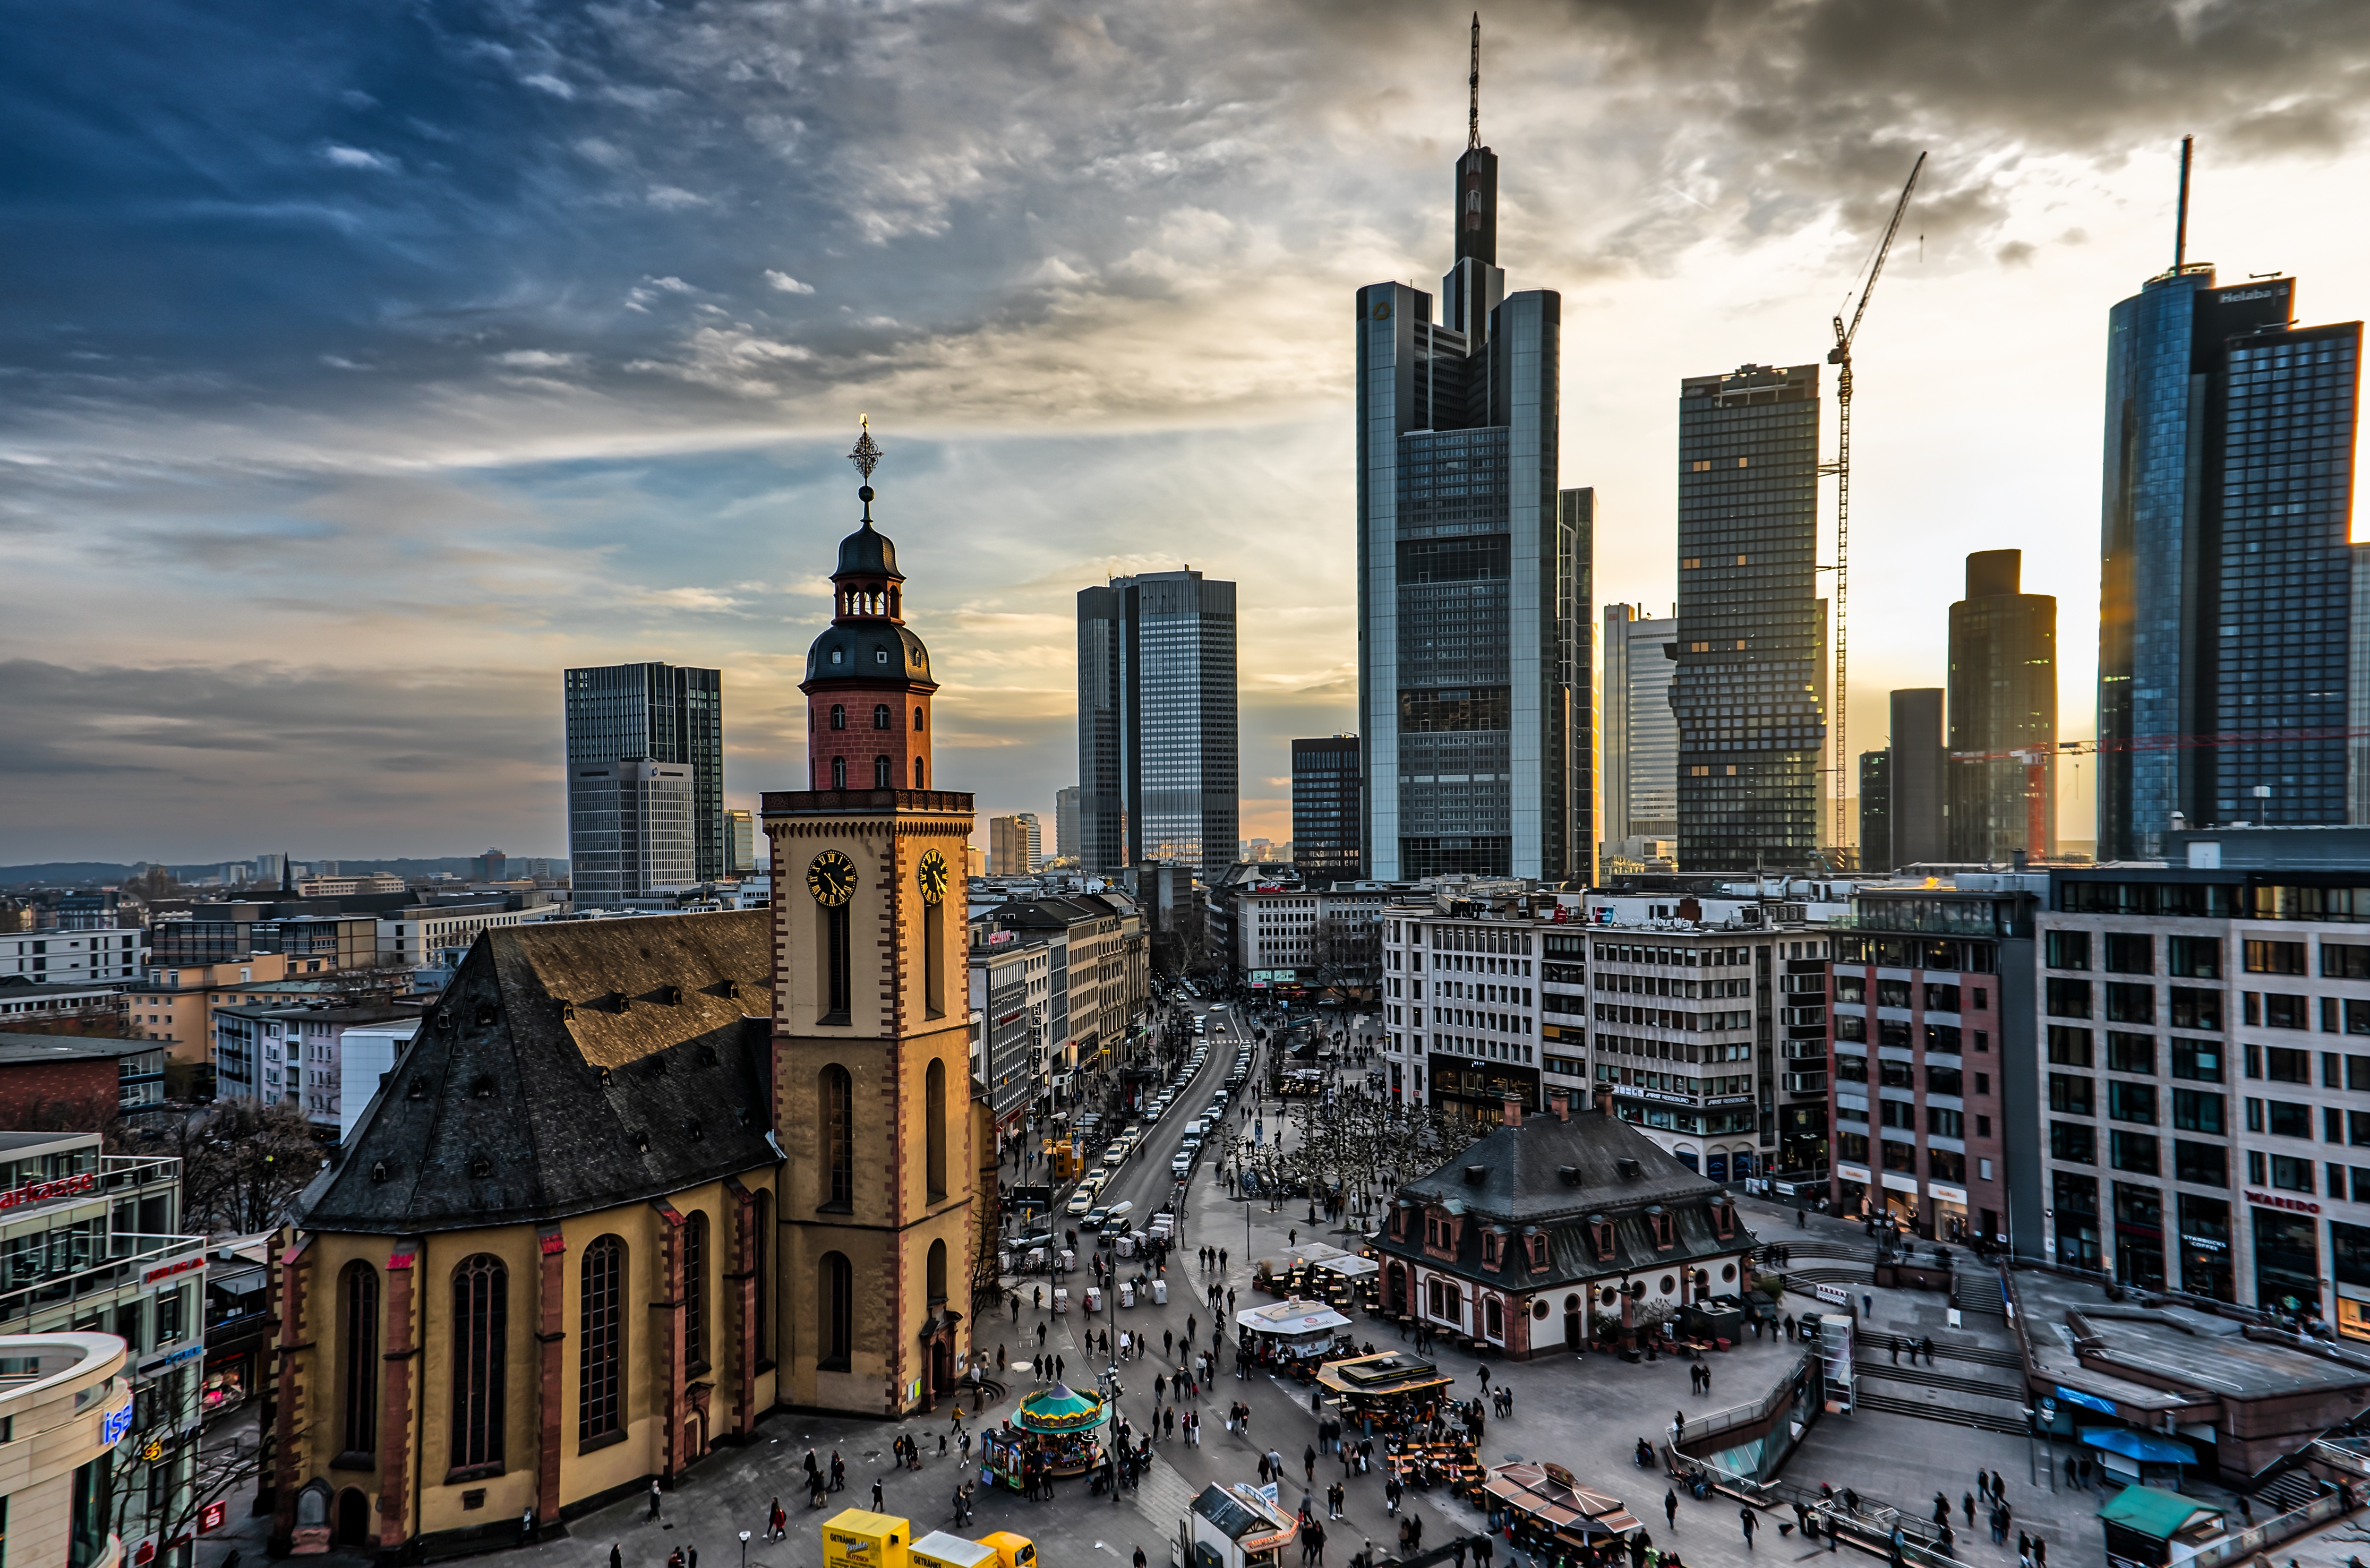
[
  {"x": 1984, "y": 1484},
  {"x": 875, "y": 1494},
  {"x": 1671, "y": 1507},
  {"x": 1678, "y": 1427},
  {"x": 654, "y": 1498},
  {"x": 616, "y": 1558},
  {"x": 1745, "y": 1519},
  {"x": 526, "y": 1527},
  {"x": 1894, "y": 1340},
  {"x": 1967, "y": 1503}
]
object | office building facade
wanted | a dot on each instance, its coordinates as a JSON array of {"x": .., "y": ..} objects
[
  {"x": 1640, "y": 733},
  {"x": 1915, "y": 779},
  {"x": 651, "y": 712},
  {"x": 2003, "y": 701},
  {"x": 2226, "y": 578},
  {"x": 1013, "y": 845},
  {"x": 1326, "y": 796},
  {"x": 1066, "y": 823},
  {"x": 1158, "y": 766},
  {"x": 1474, "y": 648},
  {"x": 740, "y": 841},
  {"x": 1876, "y": 811},
  {"x": 1750, "y": 691},
  {"x": 633, "y": 830}
]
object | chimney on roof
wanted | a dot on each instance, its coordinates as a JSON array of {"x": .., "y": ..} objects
[
  {"x": 1560, "y": 1101},
  {"x": 1513, "y": 1116},
  {"x": 1604, "y": 1100}
]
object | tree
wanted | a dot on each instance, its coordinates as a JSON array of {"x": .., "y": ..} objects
[
  {"x": 1349, "y": 955},
  {"x": 242, "y": 1163}
]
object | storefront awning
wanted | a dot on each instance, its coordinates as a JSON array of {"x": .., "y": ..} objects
[{"x": 2145, "y": 1446}]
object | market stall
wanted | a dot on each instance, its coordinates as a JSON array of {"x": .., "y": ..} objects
[
  {"x": 1549, "y": 1513},
  {"x": 1293, "y": 1336},
  {"x": 1389, "y": 1391},
  {"x": 1054, "y": 1428},
  {"x": 1291, "y": 1274},
  {"x": 1240, "y": 1527}
]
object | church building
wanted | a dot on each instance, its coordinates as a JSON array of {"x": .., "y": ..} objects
[{"x": 638, "y": 1183}]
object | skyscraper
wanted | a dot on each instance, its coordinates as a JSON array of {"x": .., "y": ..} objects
[
  {"x": 1325, "y": 794},
  {"x": 1065, "y": 823},
  {"x": 655, "y": 713},
  {"x": 1640, "y": 765},
  {"x": 1474, "y": 690},
  {"x": 1014, "y": 847},
  {"x": 1749, "y": 690},
  {"x": 2003, "y": 700},
  {"x": 632, "y": 831},
  {"x": 741, "y": 831},
  {"x": 1158, "y": 773},
  {"x": 1876, "y": 811},
  {"x": 1920, "y": 828},
  {"x": 2224, "y": 600}
]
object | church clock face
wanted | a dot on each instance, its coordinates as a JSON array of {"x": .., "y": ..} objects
[
  {"x": 832, "y": 879},
  {"x": 932, "y": 875}
]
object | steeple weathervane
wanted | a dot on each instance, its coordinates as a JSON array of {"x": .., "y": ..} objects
[
  {"x": 1473, "y": 115},
  {"x": 866, "y": 456}
]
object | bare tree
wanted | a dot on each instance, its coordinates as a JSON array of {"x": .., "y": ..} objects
[
  {"x": 1349, "y": 956},
  {"x": 242, "y": 1163}
]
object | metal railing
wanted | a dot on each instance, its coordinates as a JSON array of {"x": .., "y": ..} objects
[
  {"x": 1720, "y": 1420},
  {"x": 1869, "y": 1525},
  {"x": 2269, "y": 1533},
  {"x": 129, "y": 1254}
]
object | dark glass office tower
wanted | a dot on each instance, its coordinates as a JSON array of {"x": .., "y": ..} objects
[
  {"x": 1474, "y": 685},
  {"x": 1750, "y": 691},
  {"x": 657, "y": 713},
  {"x": 1158, "y": 770},
  {"x": 2223, "y": 604},
  {"x": 2003, "y": 700},
  {"x": 1876, "y": 811},
  {"x": 1920, "y": 828},
  {"x": 1324, "y": 815}
]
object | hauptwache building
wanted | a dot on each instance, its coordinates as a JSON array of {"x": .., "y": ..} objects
[{"x": 638, "y": 1183}]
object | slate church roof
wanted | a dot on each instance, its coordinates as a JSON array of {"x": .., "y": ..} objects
[{"x": 568, "y": 1067}]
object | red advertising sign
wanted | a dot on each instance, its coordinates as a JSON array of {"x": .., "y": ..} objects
[
  {"x": 178, "y": 1266},
  {"x": 212, "y": 1516},
  {"x": 42, "y": 1192}
]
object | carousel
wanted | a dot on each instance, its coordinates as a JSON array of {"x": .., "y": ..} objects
[
  {"x": 1055, "y": 1428},
  {"x": 1551, "y": 1515}
]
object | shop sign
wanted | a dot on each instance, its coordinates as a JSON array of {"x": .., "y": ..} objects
[
  {"x": 2204, "y": 1243},
  {"x": 169, "y": 1358},
  {"x": 1852, "y": 1172},
  {"x": 2271, "y": 1200},
  {"x": 1948, "y": 1194},
  {"x": 42, "y": 1192},
  {"x": 178, "y": 1267},
  {"x": 114, "y": 1424}
]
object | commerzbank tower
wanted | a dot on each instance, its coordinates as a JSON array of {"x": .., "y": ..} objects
[{"x": 1475, "y": 686}]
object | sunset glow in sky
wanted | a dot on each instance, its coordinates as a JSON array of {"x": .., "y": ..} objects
[{"x": 367, "y": 365}]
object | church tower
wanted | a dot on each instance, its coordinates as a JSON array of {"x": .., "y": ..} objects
[{"x": 871, "y": 1043}]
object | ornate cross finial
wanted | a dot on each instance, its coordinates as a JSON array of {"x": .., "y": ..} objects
[{"x": 867, "y": 453}]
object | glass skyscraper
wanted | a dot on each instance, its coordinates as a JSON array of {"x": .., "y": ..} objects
[
  {"x": 1640, "y": 733},
  {"x": 2003, "y": 700},
  {"x": 1325, "y": 792},
  {"x": 1475, "y": 692},
  {"x": 2225, "y": 593},
  {"x": 652, "y": 712},
  {"x": 1158, "y": 769},
  {"x": 1750, "y": 693}
]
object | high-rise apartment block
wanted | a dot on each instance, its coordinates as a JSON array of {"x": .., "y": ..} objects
[
  {"x": 1474, "y": 687},
  {"x": 2225, "y": 593},
  {"x": 1014, "y": 846},
  {"x": 1640, "y": 735},
  {"x": 1325, "y": 807},
  {"x": 1750, "y": 693},
  {"x": 657, "y": 713},
  {"x": 2003, "y": 703},
  {"x": 1158, "y": 773}
]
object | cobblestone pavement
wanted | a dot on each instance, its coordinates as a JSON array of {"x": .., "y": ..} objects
[{"x": 1583, "y": 1412}]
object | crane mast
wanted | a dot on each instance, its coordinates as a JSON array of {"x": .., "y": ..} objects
[{"x": 1840, "y": 356}]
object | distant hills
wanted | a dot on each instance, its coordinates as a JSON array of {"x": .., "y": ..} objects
[{"x": 53, "y": 873}]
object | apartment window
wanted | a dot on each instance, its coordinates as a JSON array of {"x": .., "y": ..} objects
[
  {"x": 1941, "y": 999},
  {"x": 2134, "y": 1152},
  {"x": 2274, "y": 958},
  {"x": 2196, "y": 1111},
  {"x": 2069, "y": 949},
  {"x": 2344, "y": 961},
  {"x": 2291, "y": 1174},
  {"x": 2130, "y": 953},
  {"x": 1943, "y": 1080},
  {"x": 2289, "y": 1120},
  {"x": 2131, "y": 1101},
  {"x": 2194, "y": 958},
  {"x": 1946, "y": 1165},
  {"x": 2074, "y": 1143},
  {"x": 2287, "y": 1064},
  {"x": 2071, "y": 1095},
  {"x": 2282, "y": 1010},
  {"x": 2068, "y": 998},
  {"x": 2206, "y": 1165},
  {"x": 1946, "y": 1122},
  {"x": 2199, "y": 1061},
  {"x": 2193, "y": 1007},
  {"x": 2131, "y": 1053},
  {"x": 2128, "y": 1003},
  {"x": 2069, "y": 1047}
]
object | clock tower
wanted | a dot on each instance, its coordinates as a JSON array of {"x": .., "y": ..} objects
[{"x": 871, "y": 1059}]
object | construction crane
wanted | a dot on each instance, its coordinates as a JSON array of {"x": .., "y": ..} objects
[
  {"x": 1841, "y": 357},
  {"x": 2035, "y": 758}
]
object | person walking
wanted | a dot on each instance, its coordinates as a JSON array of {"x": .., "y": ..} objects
[
  {"x": 1671, "y": 1507},
  {"x": 1967, "y": 1503},
  {"x": 654, "y": 1498},
  {"x": 1745, "y": 1519},
  {"x": 616, "y": 1558},
  {"x": 875, "y": 1494}
]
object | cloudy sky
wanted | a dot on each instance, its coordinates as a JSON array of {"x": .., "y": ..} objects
[{"x": 361, "y": 365}]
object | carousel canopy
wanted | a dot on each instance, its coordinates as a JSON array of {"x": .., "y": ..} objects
[
  {"x": 1060, "y": 1409},
  {"x": 1291, "y": 1318}
]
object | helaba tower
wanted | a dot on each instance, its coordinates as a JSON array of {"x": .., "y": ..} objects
[{"x": 1474, "y": 685}]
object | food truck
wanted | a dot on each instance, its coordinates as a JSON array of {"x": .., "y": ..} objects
[
  {"x": 1057, "y": 1427},
  {"x": 856, "y": 1539},
  {"x": 940, "y": 1549},
  {"x": 1293, "y": 1336},
  {"x": 1241, "y": 1527}
]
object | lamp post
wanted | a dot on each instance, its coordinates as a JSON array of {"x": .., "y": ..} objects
[{"x": 745, "y": 1549}]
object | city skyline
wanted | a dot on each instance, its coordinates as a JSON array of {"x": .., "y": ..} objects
[{"x": 437, "y": 518}]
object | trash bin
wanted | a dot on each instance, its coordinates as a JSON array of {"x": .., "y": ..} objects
[
  {"x": 1127, "y": 1293},
  {"x": 1094, "y": 1298},
  {"x": 1061, "y": 1300},
  {"x": 1160, "y": 1292},
  {"x": 1069, "y": 1260}
]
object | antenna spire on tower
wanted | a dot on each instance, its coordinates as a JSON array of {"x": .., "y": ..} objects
[
  {"x": 2180, "y": 219},
  {"x": 1473, "y": 82}
]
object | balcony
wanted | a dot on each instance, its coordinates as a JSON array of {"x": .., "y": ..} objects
[
  {"x": 1805, "y": 1051},
  {"x": 129, "y": 1256},
  {"x": 1804, "y": 1082}
]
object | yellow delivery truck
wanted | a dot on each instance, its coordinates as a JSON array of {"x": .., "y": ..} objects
[{"x": 856, "y": 1539}]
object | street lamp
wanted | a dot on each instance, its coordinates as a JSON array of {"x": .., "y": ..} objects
[{"x": 745, "y": 1549}]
